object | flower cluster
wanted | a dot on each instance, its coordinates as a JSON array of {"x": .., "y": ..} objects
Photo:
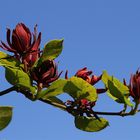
[
  {"x": 23, "y": 44},
  {"x": 26, "y": 48},
  {"x": 32, "y": 72}
]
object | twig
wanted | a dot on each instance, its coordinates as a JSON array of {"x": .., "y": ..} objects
[
  {"x": 113, "y": 113},
  {"x": 7, "y": 90},
  {"x": 63, "y": 107}
]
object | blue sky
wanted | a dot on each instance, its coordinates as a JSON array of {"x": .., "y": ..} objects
[{"x": 99, "y": 34}]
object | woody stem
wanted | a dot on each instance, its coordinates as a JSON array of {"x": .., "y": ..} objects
[{"x": 7, "y": 90}]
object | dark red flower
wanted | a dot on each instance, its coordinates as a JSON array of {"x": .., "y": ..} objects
[
  {"x": 45, "y": 73},
  {"x": 22, "y": 44},
  {"x": 85, "y": 75},
  {"x": 34, "y": 53},
  {"x": 134, "y": 86},
  {"x": 81, "y": 107}
]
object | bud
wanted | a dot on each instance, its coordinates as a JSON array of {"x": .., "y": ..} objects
[
  {"x": 45, "y": 73},
  {"x": 85, "y": 75},
  {"x": 134, "y": 86}
]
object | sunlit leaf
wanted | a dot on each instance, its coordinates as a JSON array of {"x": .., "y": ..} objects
[
  {"x": 90, "y": 124},
  {"x": 51, "y": 50},
  {"x": 19, "y": 78},
  {"x": 75, "y": 87},
  {"x": 5, "y": 116},
  {"x": 79, "y": 89},
  {"x": 116, "y": 89},
  {"x": 54, "y": 89},
  {"x": 8, "y": 61}
]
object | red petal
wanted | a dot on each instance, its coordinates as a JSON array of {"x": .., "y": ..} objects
[
  {"x": 8, "y": 37},
  {"x": 24, "y": 35},
  {"x": 7, "y": 48},
  {"x": 16, "y": 44},
  {"x": 37, "y": 43}
]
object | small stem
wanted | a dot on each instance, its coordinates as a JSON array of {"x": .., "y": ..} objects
[
  {"x": 112, "y": 113},
  {"x": 31, "y": 97},
  {"x": 7, "y": 90},
  {"x": 121, "y": 113},
  {"x": 63, "y": 107},
  {"x": 135, "y": 110},
  {"x": 40, "y": 86}
]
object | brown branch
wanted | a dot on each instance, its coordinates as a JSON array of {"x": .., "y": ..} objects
[
  {"x": 75, "y": 112},
  {"x": 113, "y": 113},
  {"x": 63, "y": 107}
]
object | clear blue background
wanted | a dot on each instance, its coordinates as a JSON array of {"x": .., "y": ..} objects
[{"x": 99, "y": 34}]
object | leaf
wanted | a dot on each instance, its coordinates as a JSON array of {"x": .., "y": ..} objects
[
  {"x": 90, "y": 124},
  {"x": 19, "y": 78},
  {"x": 116, "y": 89},
  {"x": 54, "y": 89},
  {"x": 80, "y": 89},
  {"x": 75, "y": 87},
  {"x": 51, "y": 51},
  {"x": 8, "y": 61},
  {"x": 5, "y": 116}
]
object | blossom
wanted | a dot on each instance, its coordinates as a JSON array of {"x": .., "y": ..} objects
[
  {"x": 85, "y": 75},
  {"x": 46, "y": 73},
  {"x": 134, "y": 86},
  {"x": 33, "y": 55},
  {"x": 81, "y": 107},
  {"x": 22, "y": 43}
]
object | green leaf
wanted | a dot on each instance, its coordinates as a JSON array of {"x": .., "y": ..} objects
[
  {"x": 5, "y": 116},
  {"x": 75, "y": 87},
  {"x": 51, "y": 51},
  {"x": 8, "y": 61},
  {"x": 80, "y": 89},
  {"x": 54, "y": 89},
  {"x": 116, "y": 89},
  {"x": 19, "y": 78},
  {"x": 90, "y": 124}
]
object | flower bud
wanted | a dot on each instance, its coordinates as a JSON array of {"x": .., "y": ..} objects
[
  {"x": 45, "y": 73},
  {"x": 134, "y": 86},
  {"x": 85, "y": 75}
]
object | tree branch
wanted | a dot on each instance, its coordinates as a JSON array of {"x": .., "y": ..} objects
[
  {"x": 7, "y": 90},
  {"x": 113, "y": 113},
  {"x": 63, "y": 107}
]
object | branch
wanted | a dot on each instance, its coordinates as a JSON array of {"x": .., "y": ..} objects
[
  {"x": 75, "y": 112},
  {"x": 13, "y": 88},
  {"x": 113, "y": 113},
  {"x": 63, "y": 107}
]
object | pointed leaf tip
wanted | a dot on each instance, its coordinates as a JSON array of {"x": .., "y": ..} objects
[{"x": 51, "y": 50}]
